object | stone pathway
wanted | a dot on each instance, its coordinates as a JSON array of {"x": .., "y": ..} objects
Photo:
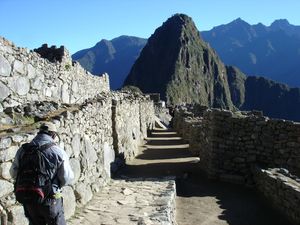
[{"x": 134, "y": 201}]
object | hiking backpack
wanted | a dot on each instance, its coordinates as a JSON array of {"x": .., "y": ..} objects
[{"x": 34, "y": 182}]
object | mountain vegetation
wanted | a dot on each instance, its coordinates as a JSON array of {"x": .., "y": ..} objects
[{"x": 183, "y": 68}]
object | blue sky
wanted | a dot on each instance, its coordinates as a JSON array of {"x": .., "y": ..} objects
[{"x": 79, "y": 24}]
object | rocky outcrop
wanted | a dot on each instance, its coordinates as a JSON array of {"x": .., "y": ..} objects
[{"x": 181, "y": 67}]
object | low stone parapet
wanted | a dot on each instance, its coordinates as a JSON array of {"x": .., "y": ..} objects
[{"x": 281, "y": 189}]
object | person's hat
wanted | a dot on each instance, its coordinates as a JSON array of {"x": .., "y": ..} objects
[{"x": 48, "y": 126}]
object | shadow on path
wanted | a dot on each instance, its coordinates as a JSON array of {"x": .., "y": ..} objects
[{"x": 199, "y": 200}]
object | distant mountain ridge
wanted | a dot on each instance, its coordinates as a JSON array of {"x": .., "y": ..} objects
[
  {"x": 114, "y": 57},
  {"x": 270, "y": 51},
  {"x": 179, "y": 65}
]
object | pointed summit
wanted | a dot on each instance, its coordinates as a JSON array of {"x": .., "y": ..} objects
[
  {"x": 280, "y": 24},
  {"x": 180, "y": 66}
]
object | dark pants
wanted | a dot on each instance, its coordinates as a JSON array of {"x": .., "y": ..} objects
[{"x": 49, "y": 213}]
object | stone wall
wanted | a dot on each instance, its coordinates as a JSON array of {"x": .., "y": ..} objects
[
  {"x": 87, "y": 133},
  {"x": 26, "y": 76},
  {"x": 230, "y": 143},
  {"x": 93, "y": 128},
  {"x": 281, "y": 189},
  {"x": 87, "y": 142},
  {"x": 132, "y": 117}
]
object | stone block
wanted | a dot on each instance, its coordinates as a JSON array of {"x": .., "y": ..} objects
[
  {"x": 109, "y": 158},
  {"x": 8, "y": 154},
  {"x": 69, "y": 201},
  {"x": 76, "y": 145},
  {"x": 75, "y": 165},
  {"x": 6, "y": 188},
  {"x": 4, "y": 91},
  {"x": 16, "y": 213},
  {"x": 5, "y": 67},
  {"x": 19, "y": 85},
  {"x": 31, "y": 71},
  {"x": 5, "y": 142},
  {"x": 4, "y": 170},
  {"x": 18, "y": 67},
  {"x": 83, "y": 193}
]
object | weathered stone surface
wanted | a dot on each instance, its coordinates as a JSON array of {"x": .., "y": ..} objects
[
  {"x": 8, "y": 154},
  {"x": 5, "y": 67},
  {"x": 6, "y": 188},
  {"x": 281, "y": 190},
  {"x": 18, "y": 67},
  {"x": 37, "y": 83},
  {"x": 76, "y": 144},
  {"x": 65, "y": 96},
  {"x": 16, "y": 213},
  {"x": 85, "y": 130},
  {"x": 88, "y": 152},
  {"x": 49, "y": 81},
  {"x": 69, "y": 201},
  {"x": 145, "y": 202},
  {"x": 31, "y": 72},
  {"x": 22, "y": 86},
  {"x": 83, "y": 193},
  {"x": 4, "y": 170},
  {"x": 4, "y": 91},
  {"x": 109, "y": 157},
  {"x": 5, "y": 142},
  {"x": 17, "y": 138},
  {"x": 75, "y": 165},
  {"x": 230, "y": 143}
]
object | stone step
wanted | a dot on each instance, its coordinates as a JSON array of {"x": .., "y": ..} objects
[
  {"x": 132, "y": 201},
  {"x": 177, "y": 146},
  {"x": 164, "y": 133},
  {"x": 162, "y": 138}
]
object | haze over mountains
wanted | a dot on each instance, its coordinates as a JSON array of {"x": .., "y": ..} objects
[
  {"x": 270, "y": 51},
  {"x": 114, "y": 57},
  {"x": 177, "y": 63}
]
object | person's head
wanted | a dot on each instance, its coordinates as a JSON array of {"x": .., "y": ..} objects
[{"x": 48, "y": 128}]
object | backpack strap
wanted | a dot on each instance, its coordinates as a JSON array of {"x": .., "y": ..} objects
[
  {"x": 40, "y": 148},
  {"x": 46, "y": 146}
]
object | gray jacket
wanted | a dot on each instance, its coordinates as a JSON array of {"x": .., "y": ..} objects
[{"x": 55, "y": 155}]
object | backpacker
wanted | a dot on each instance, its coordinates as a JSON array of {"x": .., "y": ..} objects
[{"x": 34, "y": 181}]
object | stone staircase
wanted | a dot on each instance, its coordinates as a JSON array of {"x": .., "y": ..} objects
[{"x": 144, "y": 191}]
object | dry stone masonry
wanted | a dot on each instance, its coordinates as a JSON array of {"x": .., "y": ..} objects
[
  {"x": 26, "y": 76},
  {"x": 232, "y": 144},
  {"x": 282, "y": 189},
  {"x": 129, "y": 130},
  {"x": 95, "y": 126}
]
